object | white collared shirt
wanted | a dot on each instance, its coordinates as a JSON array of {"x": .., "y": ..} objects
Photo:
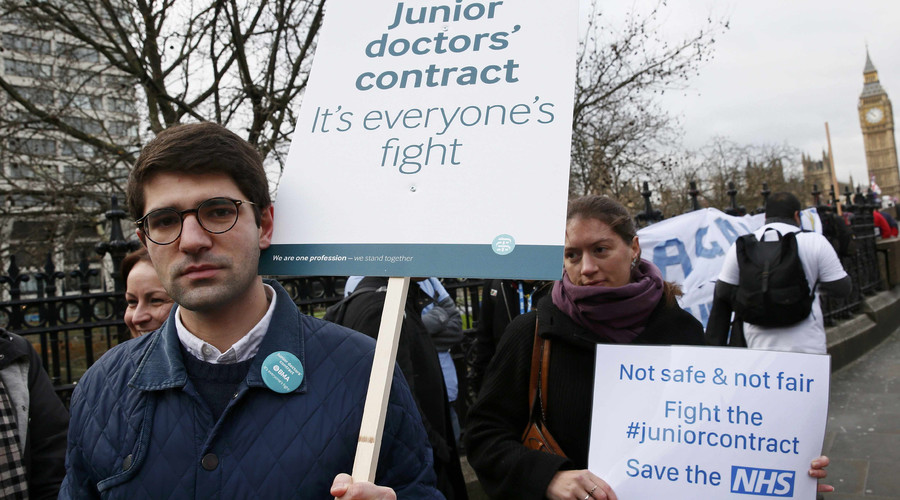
[{"x": 242, "y": 350}]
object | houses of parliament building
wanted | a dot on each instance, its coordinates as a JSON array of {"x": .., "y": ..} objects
[{"x": 876, "y": 117}]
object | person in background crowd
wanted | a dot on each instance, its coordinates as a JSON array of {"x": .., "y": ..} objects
[
  {"x": 836, "y": 229},
  {"x": 892, "y": 222},
  {"x": 418, "y": 360},
  {"x": 607, "y": 294},
  {"x": 884, "y": 228},
  {"x": 885, "y": 222},
  {"x": 239, "y": 395},
  {"x": 823, "y": 271},
  {"x": 444, "y": 325},
  {"x": 148, "y": 304},
  {"x": 33, "y": 423},
  {"x": 443, "y": 322},
  {"x": 501, "y": 301}
]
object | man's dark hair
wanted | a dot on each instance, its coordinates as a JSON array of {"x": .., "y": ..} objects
[
  {"x": 782, "y": 206},
  {"x": 200, "y": 148}
]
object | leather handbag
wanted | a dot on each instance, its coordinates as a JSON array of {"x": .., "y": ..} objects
[{"x": 536, "y": 435}]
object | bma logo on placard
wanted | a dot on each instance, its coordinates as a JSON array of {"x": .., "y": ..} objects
[
  {"x": 768, "y": 482},
  {"x": 503, "y": 244}
]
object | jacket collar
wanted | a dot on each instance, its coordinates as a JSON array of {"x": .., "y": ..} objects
[
  {"x": 12, "y": 348},
  {"x": 161, "y": 367}
]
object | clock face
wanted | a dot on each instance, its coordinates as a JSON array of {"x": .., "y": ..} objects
[{"x": 874, "y": 115}]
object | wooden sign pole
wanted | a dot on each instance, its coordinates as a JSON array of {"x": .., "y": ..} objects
[
  {"x": 369, "y": 444},
  {"x": 837, "y": 188}
]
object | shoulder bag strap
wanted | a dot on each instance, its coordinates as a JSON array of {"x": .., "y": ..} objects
[
  {"x": 535, "y": 368},
  {"x": 540, "y": 372},
  {"x": 537, "y": 436},
  {"x": 545, "y": 375}
]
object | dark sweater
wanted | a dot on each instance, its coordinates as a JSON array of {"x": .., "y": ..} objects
[
  {"x": 495, "y": 424},
  {"x": 216, "y": 383}
]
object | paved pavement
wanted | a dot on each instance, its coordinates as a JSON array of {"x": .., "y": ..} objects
[{"x": 862, "y": 437}]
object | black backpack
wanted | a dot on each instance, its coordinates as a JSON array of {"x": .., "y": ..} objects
[
  {"x": 336, "y": 312},
  {"x": 773, "y": 290}
]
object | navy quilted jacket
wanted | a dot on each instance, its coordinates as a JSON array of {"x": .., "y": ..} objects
[{"x": 139, "y": 429}]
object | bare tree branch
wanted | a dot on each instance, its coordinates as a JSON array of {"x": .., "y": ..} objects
[{"x": 621, "y": 135}]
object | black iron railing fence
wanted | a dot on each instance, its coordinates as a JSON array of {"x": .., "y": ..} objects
[{"x": 71, "y": 330}]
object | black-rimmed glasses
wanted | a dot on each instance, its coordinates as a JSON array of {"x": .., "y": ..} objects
[{"x": 216, "y": 215}]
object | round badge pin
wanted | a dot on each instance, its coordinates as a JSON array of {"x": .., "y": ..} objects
[
  {"x": 503, "y": 244},
  {"x": 282, "y": 372}
]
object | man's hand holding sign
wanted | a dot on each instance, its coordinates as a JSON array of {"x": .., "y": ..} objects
[{"x": 417, "y": 101}]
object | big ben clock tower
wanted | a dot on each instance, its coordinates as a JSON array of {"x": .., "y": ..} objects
[{"x": 877, "y": 120}]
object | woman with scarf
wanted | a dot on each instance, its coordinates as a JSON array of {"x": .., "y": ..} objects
[{"x": 607, "y": 294}]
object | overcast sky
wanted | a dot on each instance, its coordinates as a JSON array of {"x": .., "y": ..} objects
[{"x": 782, "y": 70}]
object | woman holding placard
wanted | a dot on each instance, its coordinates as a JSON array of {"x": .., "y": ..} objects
[{"x": 537, "y": 392}]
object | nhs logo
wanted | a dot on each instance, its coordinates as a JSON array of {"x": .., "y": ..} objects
[{"x": 768, "y": 482}]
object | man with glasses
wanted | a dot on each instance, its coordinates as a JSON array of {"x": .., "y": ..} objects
[{"x": 237, "y": 395}]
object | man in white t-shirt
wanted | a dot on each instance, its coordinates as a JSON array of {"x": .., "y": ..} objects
[{"x": 823, "y": 271}]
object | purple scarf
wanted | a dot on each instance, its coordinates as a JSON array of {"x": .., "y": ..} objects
[{"x": 616, "y": 314}]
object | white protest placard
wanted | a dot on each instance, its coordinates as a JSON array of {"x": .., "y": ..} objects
[
  {"x": 433, "y": 140},
  {"x": 683, "y": 423}
]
